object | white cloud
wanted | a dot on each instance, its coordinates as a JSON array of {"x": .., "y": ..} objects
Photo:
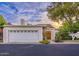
[
  {"x": 45, "y": 18},
  {"x": 25, "y": 8}
]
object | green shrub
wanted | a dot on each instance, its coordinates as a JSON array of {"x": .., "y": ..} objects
[
  {"x": 44, "y": 41},
  {"x": 62, "y": 36},
  {"x": 57, "y": 37},
  {"x": 64, "y": 31}
]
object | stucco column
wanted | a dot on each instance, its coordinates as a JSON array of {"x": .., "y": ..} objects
[
  {"x": 73, "y": 38},
  {"x": 43, "y": 33},
  {"x": 53, "y": 34}
]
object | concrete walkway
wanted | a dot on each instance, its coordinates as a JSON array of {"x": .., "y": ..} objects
[
  {"x": 66, "y": 42},
  {"x": 52, "y": 42}
]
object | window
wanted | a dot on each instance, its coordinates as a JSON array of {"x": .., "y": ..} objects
[
  {"x": 10, "y": 30},
  {"x": 14, "y": 30},
  {"x": 32, "y": 30},
  {"x": 25, "y": 31},
  {"x": 36, "y": 30},
  {"x": 28, "y": 30},
  {"x": 21, "y": 30},
  {"x": 17, "y": 30}
]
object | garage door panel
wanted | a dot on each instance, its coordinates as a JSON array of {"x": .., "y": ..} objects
[{"x": 25, "y": 36}]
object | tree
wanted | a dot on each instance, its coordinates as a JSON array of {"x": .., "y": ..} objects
[
  {"x": 68, "y": 13},
  {"x": 2, "y": 21},
  {"x": 64, "y": 11}
]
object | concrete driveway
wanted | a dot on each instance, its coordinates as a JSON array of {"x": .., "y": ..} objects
[{"x": 39, "y": 50}]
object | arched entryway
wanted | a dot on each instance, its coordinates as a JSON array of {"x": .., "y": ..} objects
[{"x": 50, "y": 34}]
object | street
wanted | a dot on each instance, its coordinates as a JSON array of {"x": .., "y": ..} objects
[{"x": 39, "y": 50}]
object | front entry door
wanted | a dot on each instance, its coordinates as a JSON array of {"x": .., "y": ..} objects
[{"x": 48, "y": 35}]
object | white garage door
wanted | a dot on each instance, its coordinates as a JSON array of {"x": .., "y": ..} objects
[{"x": 23, "y": 35}]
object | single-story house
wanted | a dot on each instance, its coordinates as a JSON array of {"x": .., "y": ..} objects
[{"x": 27, "y": 33}]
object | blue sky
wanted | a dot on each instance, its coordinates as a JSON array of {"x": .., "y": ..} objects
[{"x": 10, "y": 10}]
